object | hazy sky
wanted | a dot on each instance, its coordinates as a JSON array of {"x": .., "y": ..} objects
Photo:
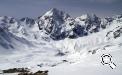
[{"x": 35, "y": 8}]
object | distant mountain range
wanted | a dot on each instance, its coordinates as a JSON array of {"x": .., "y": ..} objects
[{"x": 53, "y": 25}]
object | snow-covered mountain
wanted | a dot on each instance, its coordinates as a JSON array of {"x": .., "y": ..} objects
[
  {"x": 8, "y": 26},
  {"x": 54, "y": 24},
  {"x": 59, "y": 25},
  {"x": 56, "y": 38}
]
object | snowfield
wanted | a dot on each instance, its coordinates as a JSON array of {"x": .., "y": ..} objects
[{"x": 24, "y": 45}]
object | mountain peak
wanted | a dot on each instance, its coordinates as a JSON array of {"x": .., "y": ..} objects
[
  {"x": 54, "y": 10},
  {"x": 55, "y": 13},
  {"x": 87, "y": 16}
]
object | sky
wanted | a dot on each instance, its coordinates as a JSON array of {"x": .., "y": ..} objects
[{"x": 35, "y": 8}]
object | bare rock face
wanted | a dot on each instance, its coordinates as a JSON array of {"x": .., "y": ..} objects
[{"x": 116, "y": 33}]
